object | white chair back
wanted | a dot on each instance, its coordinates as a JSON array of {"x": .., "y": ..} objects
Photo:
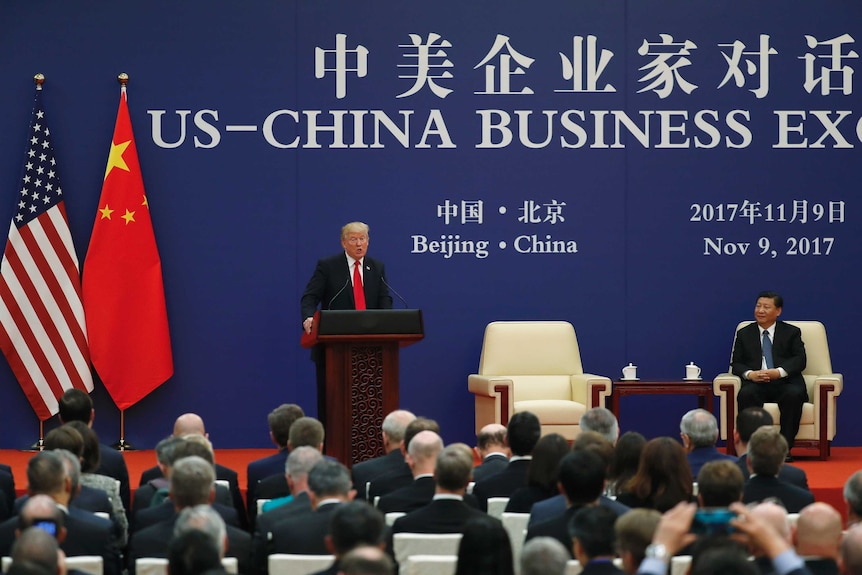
[
  {"x": 223, "y": 482},
  {"x": 284, "y": 564},
  {"x": 260, "y": 504},
  {"x": 573, "y": 567},
  {"x": 470, "y": 487},
  {"x": 516, "y": 526},
  {"x": 91, "y": 564},
  {"x": 429, "y": 565},
  {"x": 496, "y": 506},
  {"x": 392, "y": 516},
  {"x": 679, "y": 564},
  {"x": 159, "y": 565},
  {"x": 408, "y": 544},
  {"x": 230, "y": 564}
]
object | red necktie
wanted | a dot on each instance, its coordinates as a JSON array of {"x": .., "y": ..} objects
[{"x": 358, "y": 291}]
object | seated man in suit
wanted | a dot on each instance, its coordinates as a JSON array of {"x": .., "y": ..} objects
[
  {"x": 447, "y": 512},
  {"x": 279, "y": 420},
  {"x": 719, "y": 484},
  {"x": 192, "y": 424},
  {"x": 192, "y": 483},
  {"x": 769, "y": 357},
  {"x": 522, "y": 433},
  {"x": 367, "y": 560},
  {"x": 354, "y": 524},
  {"x": 766, "y": 452},
  {"x": 200, "y": 519},
  {"x": 422, "y": 459},
  {"x": 193, "y": 553},
  {"x": 401, "y": 476},
  {"x": 634, "y": 530},
  {"x": 543, "y": 556},
  {"x": 393, "y": 428},
  {"x": 582, "y": 480},
  {"x": 699, "y": 432},
  {"x": 747, "y": 422},
  {"x": 592, "y": 531},
  {"x": 853, "y": 498},
  {"x": 493, "y": 451},
  {"x": 602, "y": 421},
  {"x": 817, "y": 537},
  {"x": 77, "y": 405},
  {"x": 305, "y": 432}
]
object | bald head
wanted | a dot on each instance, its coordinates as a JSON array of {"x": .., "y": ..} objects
[
  {"x": 491, "y": 439},
  {"x": 394, "y": 425},
  {"x": 423, "y": 451},
  {"x": 39, "y": 507},
  {"x": 851, "y": 551},
  {"x": 818, "y": 531},
  {"x": 189, "y": 424},
  {"x": 775, "y": 516}
]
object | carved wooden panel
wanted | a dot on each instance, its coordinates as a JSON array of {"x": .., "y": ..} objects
[{"x": 366, "y": 400}]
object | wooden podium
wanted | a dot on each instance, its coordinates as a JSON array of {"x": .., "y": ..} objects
[{"x": 362, "y": 349}]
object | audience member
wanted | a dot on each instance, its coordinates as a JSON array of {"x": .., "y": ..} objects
[
  {"x": 392, "y": 430},
  {"x": 367, "y": 560},
  {"x": 592, "y": 532},
  {"x": 7, "y": 491},
  {"x": 602, "y": 421},
  {"x": 422, "y": 459},
  {"x": 767, "y": 450},
  {"x": 627, "y": 455},
  {"x": 541, "y": 474},
  {"x": 720, "y": 555},
  {"x": 305, "y": 432},
  {"x": 635, "y": 530},
  {"x": 39, "y": 547},
  {"x": 401, "y": 476},
  {"x": 84, "y": 497},
  {"x": 699, "y": 432},
  {"x": 279, "y": 420},
  {"x": 775, "y": 516},
  {"x": 851, "y": 551},
  {"x": 355, "y": 524},
  {"x": 543, "y": 556},
  {"x": 663, "y": 478},
  {"x": 853, "y": 498},
  {"x": 492, "y": 449},
  {"x": 522, "y": 434},
  {"x": 817, "y": 538},
  {"x": 747, "y": 422},
  {"x": 484, "y": 548},
  {"x": 193, "y": 553},
  {"x": 719, "y": 484}
]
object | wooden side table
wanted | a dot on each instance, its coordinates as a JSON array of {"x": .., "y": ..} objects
[{"x": 702, "y": 389}]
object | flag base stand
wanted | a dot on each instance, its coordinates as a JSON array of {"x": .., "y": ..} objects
[
  {"x": 40, "y": 444},
  {"x": 122, "y": 444}
]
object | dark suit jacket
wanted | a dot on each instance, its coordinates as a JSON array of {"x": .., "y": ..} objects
[
  {"x": 90, "y": 499},
  {"x": 544, "y": 510},
  {"x": 788, "y": 351},
  {"x": 389, "y": 482},
  {"x": 492, "y": 464},
  {"x": 788, "y": 473},
  {"x": 409, "y": 498},
  {"x": 301, "y": 505},
  {"x": 760, "y": 487},
  {"x": 702, "y": 455},
  {"x": 152, "y": 515},
  {"x": 556, "y": 527},
  {"x": 113, "y": 464},
  {"x": 819, "y": 566},
  {"x": 222, "y": 473},
  {"x": 153, "y": 542},
  {"x": 332, "y": 274},
  {"x": 272, "y": 487},
  {"x": 601, "y": 567},
  {"x": 144, "y": 496},
  {"x": 302, "y": 532},
  {"x": 7, "y": 489},
  {"x": 502, "y": 484},
  {"x": 370, "y": 470},
  {"x": 439, "y": 516},
  {"x": 261, "y": 469}
]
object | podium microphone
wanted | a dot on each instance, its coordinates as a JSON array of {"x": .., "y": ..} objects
[
  {"x": 383, "y": 279},
  {"x": 338, "y": 293}
]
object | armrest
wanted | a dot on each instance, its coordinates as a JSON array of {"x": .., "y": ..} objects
[
  {"x": 834, "y": 379},
  {"x": 485, "y": 384},
  {"x": 590, "y": 389},
  {"x": 723, "y": 386},
  {"x": 825, "y": 389}
]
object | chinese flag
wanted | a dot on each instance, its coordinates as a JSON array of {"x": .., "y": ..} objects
[{"x": 124, "y": 300}]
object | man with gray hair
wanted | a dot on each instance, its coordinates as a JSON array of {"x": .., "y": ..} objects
[
  {"x": 203, "y": 518},
  {"x": 192, "y": 483},
  {"x": 853, "y": 498},
  {"x": 422, "y": 459},
  {"x": 37, "y": 546},
  {"x": 392, "y": 430},
  {"x": 543, "y": 556},
  {"x": 601, "y": 420},
  {"x": 699, "y": 432},
  {"x": 329, "y": 487}
]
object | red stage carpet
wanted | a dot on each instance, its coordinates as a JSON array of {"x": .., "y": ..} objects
[{"x": 826, "y": 478}]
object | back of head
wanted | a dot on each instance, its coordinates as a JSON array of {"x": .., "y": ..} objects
[
  {"x": 593, "y": 527},
  {"x": 700, "y": 426},
  {"x": 90, "y": 457},
  {"x": 329, "y": 479},
  {"x": 484, "y": 548},
  {"x": 766, "y": 451},
  {"x": 354, "y": 524},
  {"x": 719, "y": 555},
  {"x": 395, "y": 424},
  {"x": 417, "y": 425},
  {"x": 492, "y": 435},
  {"x": 523, "y": 432},
  {"x": 627, "y": 455},
  {"x": 203, "y": 519},
  {"x": 664, "y": 477},
  {"x": 749, "y": 420},
  {"x": 424, "y": 448},
  {"x": 596, "y": 443},
  {"x": 818, "y": 531},
  {"x": 453, "y": 469},
  {"x": 543, "y": 556},
  {"x": 40, "y": 507},
  {"x": 582, "y": 475},
  {"x": 720, "y": 483},
  {"x": 851, "y": 550},
  {"x": 72, "y": 466},
  {"x": 280, "y": 419},
  {"x": 634, "y": 531},
  {"x": 194, "y": 444},
  {"x": 602, "y": 421},
  {"x": 366, "y": 560},
  {"x": 65, "y": 437},
  {"x": 853, "y": 494},
  {"x": 75, "y": 405},
  {"x": 306, "y": 431},
  {"x": 192, "y": 553},
  {"x": 165, "y": 449},
  {"x": 191, "y": 482},
  {"x": 46, "y": 473},
  {"x": 545, "y": 465},
  {"x": 775, "y": 515},
  {"x": 37, "y": 546},
  {"x": 301, "y": 460},
  {"x": 189, "y": 424}
]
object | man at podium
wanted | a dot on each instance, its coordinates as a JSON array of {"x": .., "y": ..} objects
[{"x": 348, "y": 280}]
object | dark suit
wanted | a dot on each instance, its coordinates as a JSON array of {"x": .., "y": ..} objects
[
  {"x": 502, "y": 484},
  {"x": 300, "y": 506},
  {"x": 389, "y": 482},
  {"x": 152, "y": 515},
  {"x": 492, "y": 464},
  {"x": 89, "y": 499},
  {"x": 702, "y": 455},
  {"x": 760, "y": 487},
  {"x": 788, "y": 473},
  {"x": 439, "y": 516},
  {"x": 788, "y": 352},
  {"x": 261, "y": 469},
  {"x": 819, "y": 566},
  {"x": 544, "y": 510},
  {"x": 272, "y": 487},
  {"x": 601, "y": 567},
  {"x": 370, "y": 470},
  {"x": 144, "y": 494},
  {"x": 302, "y": 532},
  {"x": 113, "y": 464},
  {"x": 409, "y": 498},
  {"x": 7, "y": 489},
  {"x": 555, "y": 527}
]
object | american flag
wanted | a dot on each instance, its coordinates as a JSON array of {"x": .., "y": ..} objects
[{"x": 42, "y": 330}]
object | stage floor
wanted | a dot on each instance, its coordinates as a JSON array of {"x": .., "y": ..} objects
[{"x": 825, "y": 478}]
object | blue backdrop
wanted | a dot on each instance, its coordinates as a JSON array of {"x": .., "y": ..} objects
[{"x": 677, "y": 156}]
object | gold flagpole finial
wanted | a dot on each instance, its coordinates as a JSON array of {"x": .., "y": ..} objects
[
  {"x": 123, "y": 79},
  {"x": 39, "y": 79}
]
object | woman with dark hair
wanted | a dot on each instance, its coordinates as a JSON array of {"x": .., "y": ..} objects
[
  {"x": 627, "y": 456},
  {"x": 541, "y": 474},
  {"x": 663, "y": 478},
  {"x": 485, "y": 548}
]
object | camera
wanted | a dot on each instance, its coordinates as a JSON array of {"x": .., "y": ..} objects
[
  {"x": 712, "y": 521},
  {"x": 48, "y": 525}
]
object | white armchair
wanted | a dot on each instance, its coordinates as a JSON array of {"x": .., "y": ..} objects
[
  {"x": 535, "y": 366},
  {"x": 817, "y": 426}
]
